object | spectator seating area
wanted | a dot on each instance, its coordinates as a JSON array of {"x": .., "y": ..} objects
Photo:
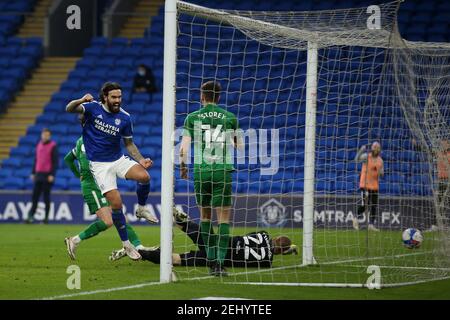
[
  {"x": 12, "y": 16},
  {"x": 17, "y": 58},
  {"x": 342, "y": 125}
]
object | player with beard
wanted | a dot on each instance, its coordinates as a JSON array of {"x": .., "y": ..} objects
[{"x": 106, "y": 124}]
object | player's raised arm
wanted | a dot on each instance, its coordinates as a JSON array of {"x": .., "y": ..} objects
[
  {"x": 134, "y": 152},
  {"x": 75, "y": 106},
  {"x": 361, "y": 155}
]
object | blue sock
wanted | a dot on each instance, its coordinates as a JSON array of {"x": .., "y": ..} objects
[
  {"x": 120, "y": 224},
  {"x": 142, "y": 191}
]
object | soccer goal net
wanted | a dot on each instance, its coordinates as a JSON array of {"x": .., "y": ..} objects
[{"x": 308, "y": 90}]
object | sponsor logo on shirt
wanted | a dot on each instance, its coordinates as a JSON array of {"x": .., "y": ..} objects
[{"x": 106, "y": 128}]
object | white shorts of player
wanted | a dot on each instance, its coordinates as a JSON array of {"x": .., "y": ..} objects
[{"x": 106, "y": 173}]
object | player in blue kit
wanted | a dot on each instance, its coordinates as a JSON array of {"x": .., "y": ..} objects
[{"x": 106, "y": 124}]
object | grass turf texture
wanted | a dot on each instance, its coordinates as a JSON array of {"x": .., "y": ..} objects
[{"x": 33, "y": 264}]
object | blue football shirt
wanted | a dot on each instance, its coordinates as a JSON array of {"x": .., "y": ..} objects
[{"x": 103, "y": 131}]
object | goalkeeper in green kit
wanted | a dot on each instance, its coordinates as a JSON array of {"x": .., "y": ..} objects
[
  {"x": 213, "y": 130},
  {"x": 96, "y": 202}
]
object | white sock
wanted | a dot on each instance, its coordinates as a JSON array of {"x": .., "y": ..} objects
[
  {"x": 76, "y": 239},
  {"x": 140, "y": 207},
  {"x": 126, "y": 243}
]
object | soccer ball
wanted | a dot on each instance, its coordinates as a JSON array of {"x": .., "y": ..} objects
[{"x": 412, "y": 238}]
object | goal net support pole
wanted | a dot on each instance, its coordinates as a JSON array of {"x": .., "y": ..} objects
[{"x": 310, "y": 147}]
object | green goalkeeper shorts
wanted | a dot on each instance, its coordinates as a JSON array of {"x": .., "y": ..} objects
[
  {"x": 213, "y": 188},
  {"x": 93, "y": 196}
]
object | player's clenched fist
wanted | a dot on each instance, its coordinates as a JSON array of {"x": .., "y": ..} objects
[
  {"x": 87, "y": 98},
  {"x": 146, "y": 163}
]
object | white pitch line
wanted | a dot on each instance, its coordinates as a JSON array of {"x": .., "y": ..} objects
[
  {"x": 146, "y": 284},
  {"x": 330, "y": 263},
  {"x": 85, "y": 293},
  {"x": 338, "y": 285},
  {"x": 403, "y": 267}
]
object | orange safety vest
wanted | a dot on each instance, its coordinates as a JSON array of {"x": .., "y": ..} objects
[
  {"x": 369, "y": 176},
  {"x": 443, "y": 165}
]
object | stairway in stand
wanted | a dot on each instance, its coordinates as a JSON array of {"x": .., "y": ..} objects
[
  {"x": 34, "y": 23},
  {"x": 135, "y": 26}
]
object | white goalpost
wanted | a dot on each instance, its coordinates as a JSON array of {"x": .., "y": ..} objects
[
  {"x": 167, "y": 190},
  {"x": 310, "y": 151},
  {"x": 309, "y": 89}
]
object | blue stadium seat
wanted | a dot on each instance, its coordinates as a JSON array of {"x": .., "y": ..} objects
[
  {"x": 60, "y": 183},
  {"x": 138, "y": 42},
  {"x": 4, "y": 62},
  {"x": 73, "y": 183},
  {"x": 22, "y": 151},
  {"x": 94, "y": 51},
  {"x": 135, "y": 107},
  {"x": 64, "y": 172},
  {"x": 114, "y": 51},
  {"x": 99, "y": 42},
  {"x": 70, "y": 85},
  {"x": 119, "y": 42},
  {"x": 25, "y": 62},
  {"x": 141, "y": 130},
  {"x": 106, "y": 62},
  {"x": 126, "y": 185},
  {"x": 14, "y": 183},
  {"x": 88, "y": 63},
  {"x": 10, "y": 51},
  {"x": 125, "y": 62},
  {"x": 4, "y": 173},
  {"x": 141, "y": 97},
  {"x": 12, "y": 163}
]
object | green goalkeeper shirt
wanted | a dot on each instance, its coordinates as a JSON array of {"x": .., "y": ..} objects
[
  {"x": 83, "y": 163},
  {"x": 212, "y": 129}
]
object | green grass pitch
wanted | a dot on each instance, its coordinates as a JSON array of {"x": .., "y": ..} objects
[{"x": 33, "y": 264}]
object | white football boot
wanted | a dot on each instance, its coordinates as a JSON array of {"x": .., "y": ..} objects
[
  {"x": 355, "y": 223},
  {"x": 145, "y": 213},
  {"x": 71, "y": 247},
  {"x": 179, "y": 216},
  {"x": 132, "y": 253},
  {"x": 117, "y": 254}
]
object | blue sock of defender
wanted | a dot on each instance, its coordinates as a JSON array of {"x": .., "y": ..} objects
[
  {"x": 142, "y": 191},
  {"x": 120, "y": 223}
]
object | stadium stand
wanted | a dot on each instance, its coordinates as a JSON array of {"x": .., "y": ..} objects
[
  {"x": 17, "y": 58},
  {"x": 116, "y": 60},
  {"x": 12, "y": 16}
]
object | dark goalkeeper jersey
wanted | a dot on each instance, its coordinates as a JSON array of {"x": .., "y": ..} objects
[{"x": 251, "y": 250}]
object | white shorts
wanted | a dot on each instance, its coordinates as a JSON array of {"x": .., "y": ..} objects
[{"x": 105, "y": 173}]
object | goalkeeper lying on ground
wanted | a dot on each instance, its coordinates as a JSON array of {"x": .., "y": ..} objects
[{"x": 255, "y": 249}]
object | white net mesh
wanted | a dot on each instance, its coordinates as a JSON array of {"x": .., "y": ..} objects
[{"x": 372, "y": 86}]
